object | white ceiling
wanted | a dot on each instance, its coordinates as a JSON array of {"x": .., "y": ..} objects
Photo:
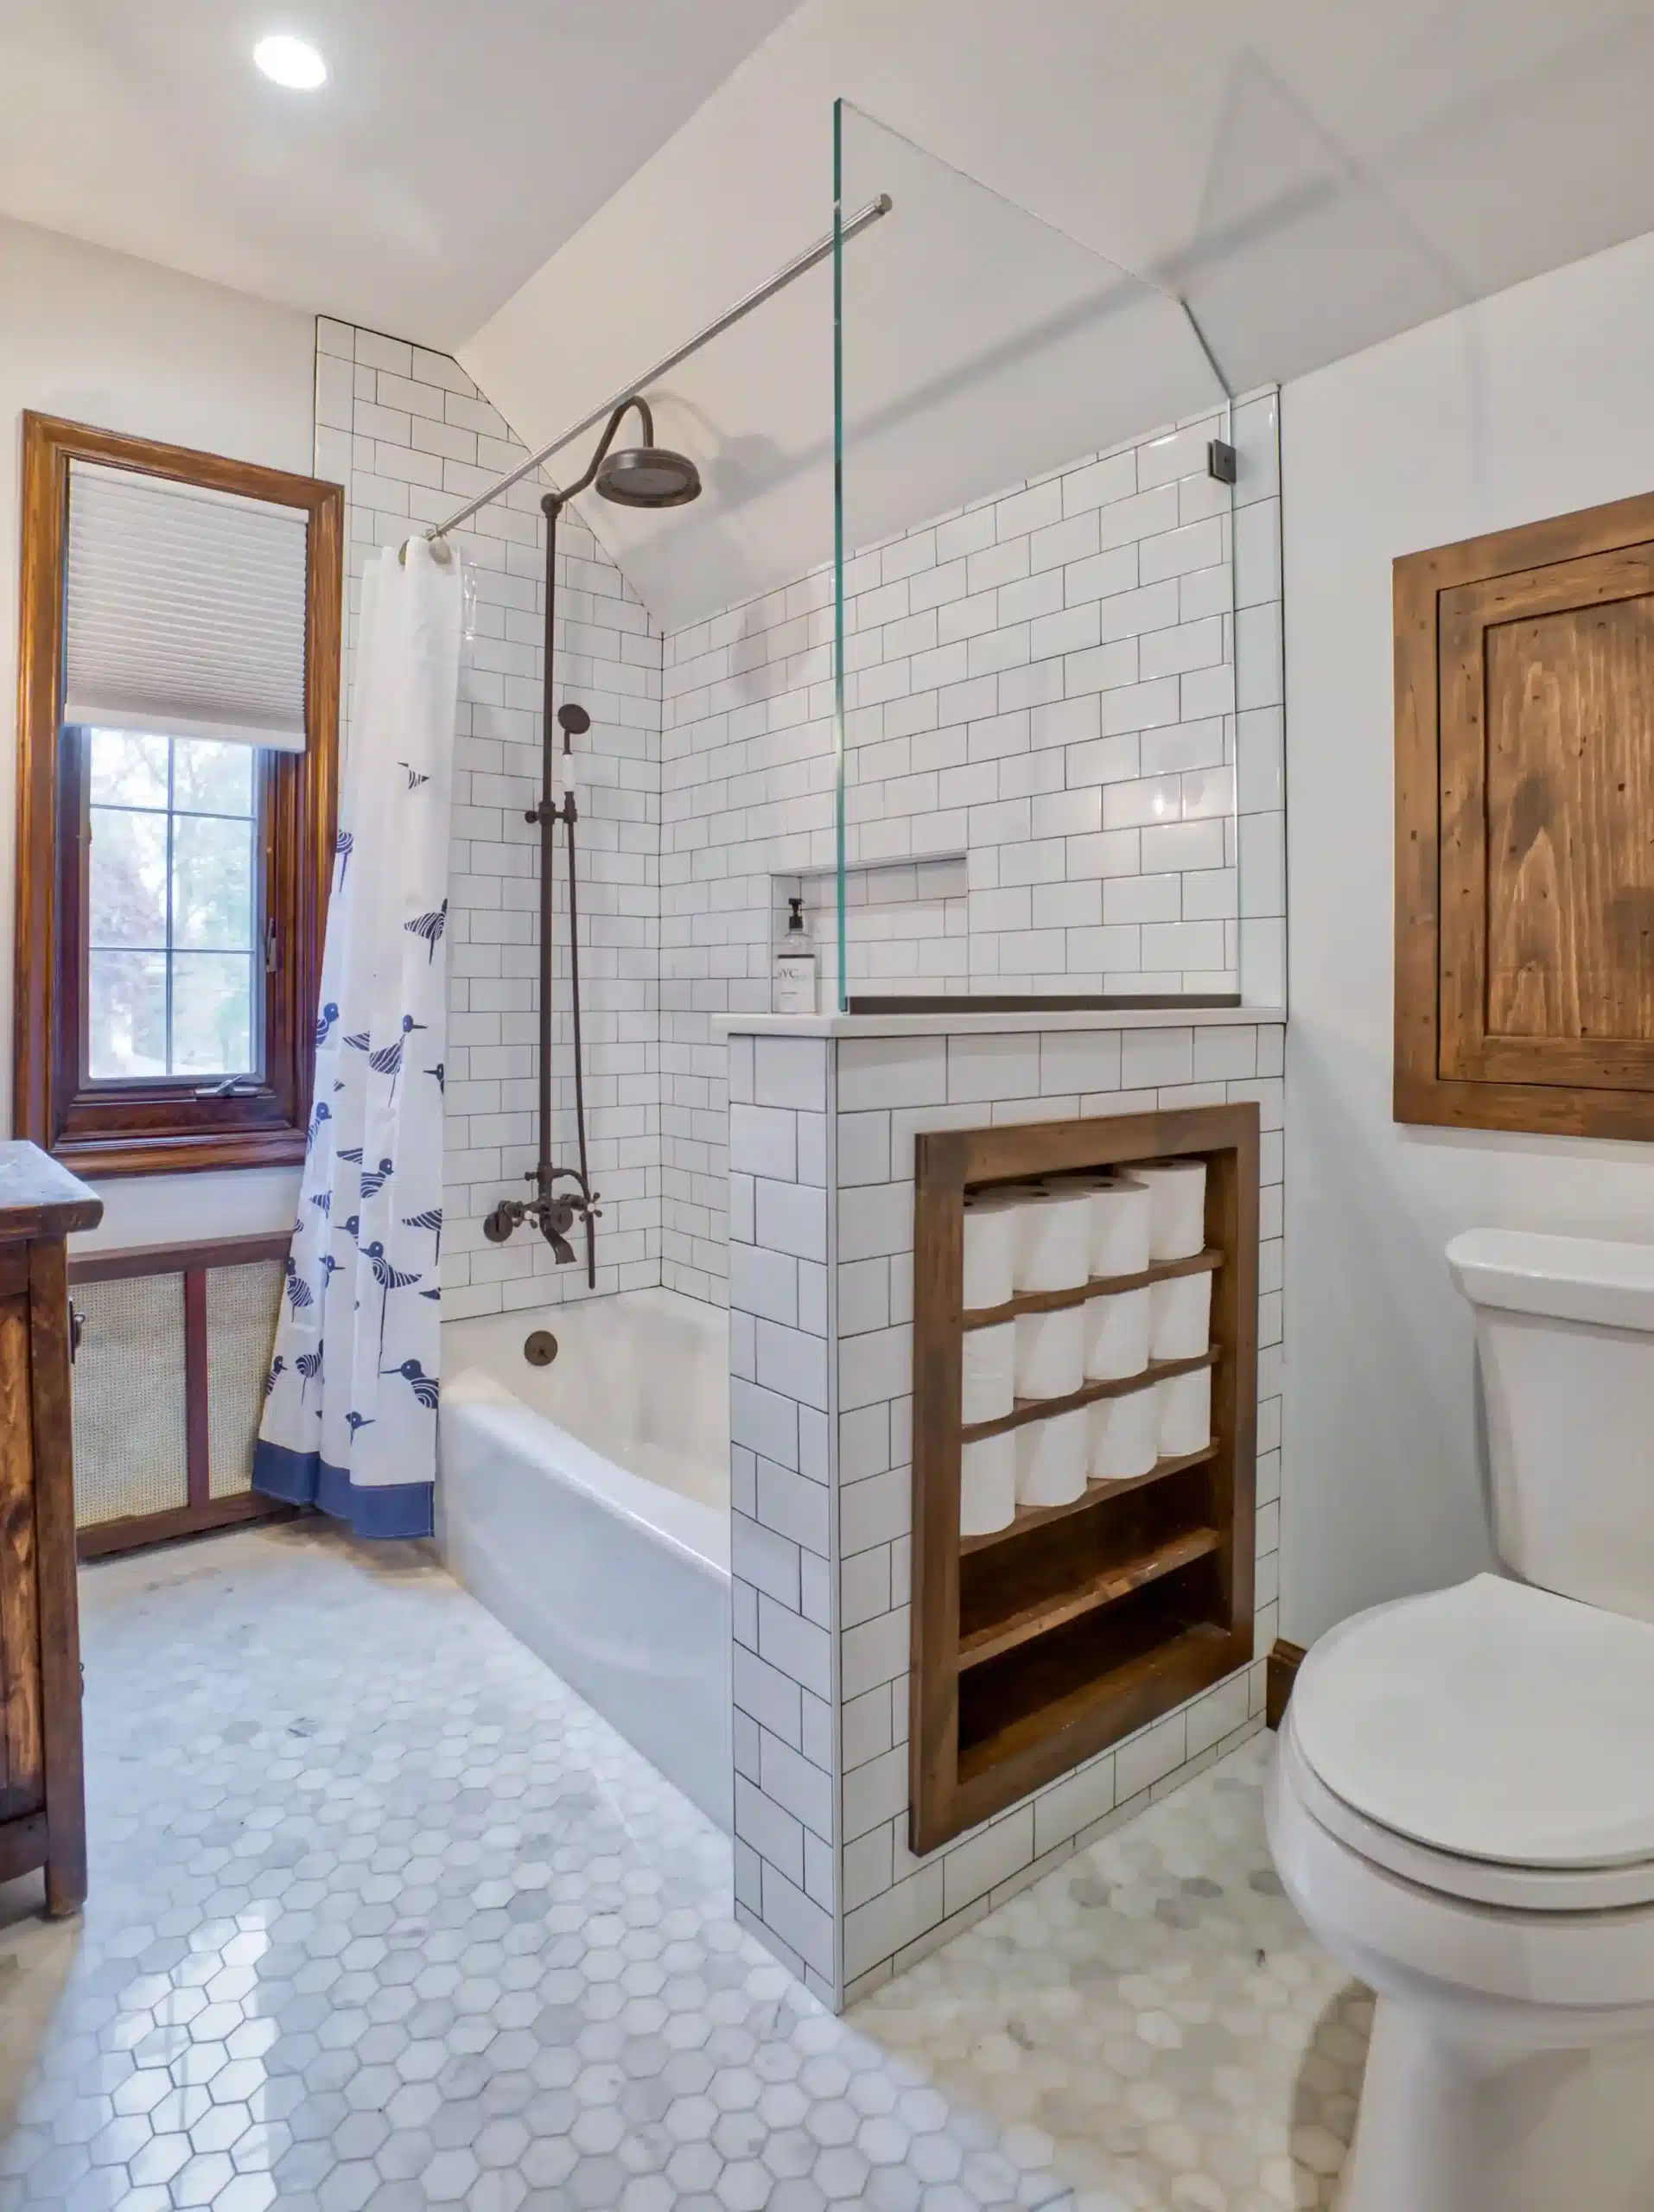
[
  {"x": 457, "y": 144},
  {"x": 1313, "y": 176}
]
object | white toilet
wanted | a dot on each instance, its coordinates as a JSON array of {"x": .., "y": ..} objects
[{"x": 1462, "y": 1803}]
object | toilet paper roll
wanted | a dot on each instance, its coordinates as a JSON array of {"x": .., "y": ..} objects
[
  {"x": 1050, "y": 1352},
  {"x": 1184, "y": 1413},
  {"x": 1054, "y": 1240},
  {"x": 1119, "y": 1226},
  {"x": 1051, "y": 1459},
  {"x": 1124, "y": 1437},
  {"x": 989, "y": 1247},
  {"x": 988, "y": 1484},
  {"x": 1177, "y": 1207},
  {"x": 1180, "y": 1321},
  {"x": 988, "y": 1369},
  {"x": 1117, "y": 1336}
]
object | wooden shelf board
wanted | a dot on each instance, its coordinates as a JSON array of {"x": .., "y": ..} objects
[
  {"x": 1105, "y": 1588},
  {"x": 1052, "y": 1301},
  {"x": 1037, "y": 1517},
  {"x": 1162, "y": 1647},
  {"x": 1027, "y": 1409}
]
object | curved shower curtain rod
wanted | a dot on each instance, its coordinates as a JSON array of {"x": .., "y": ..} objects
[{"x": 787, "y": 273}]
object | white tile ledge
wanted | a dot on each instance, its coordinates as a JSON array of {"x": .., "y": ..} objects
[{"x": 985, "y": 1025}]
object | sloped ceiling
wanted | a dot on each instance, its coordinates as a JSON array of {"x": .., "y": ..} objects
[
  {"x": 1311, "y": 176},
  {"x": 457, "y": 143}
]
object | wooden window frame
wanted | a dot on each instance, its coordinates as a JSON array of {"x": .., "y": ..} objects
[
  {"x": 163, "y": 1127},
  {"x": 1437, "y": 595}
]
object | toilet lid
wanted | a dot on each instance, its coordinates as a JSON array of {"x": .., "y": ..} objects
[{"x": 1490, "y": 1721}]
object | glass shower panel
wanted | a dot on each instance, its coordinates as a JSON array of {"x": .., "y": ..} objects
[
  {"x": 740, "y": 583},
  {"x": 1033, "y": 608}
]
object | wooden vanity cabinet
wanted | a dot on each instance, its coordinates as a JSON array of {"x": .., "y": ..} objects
[{"x": 42, "y": 1798}]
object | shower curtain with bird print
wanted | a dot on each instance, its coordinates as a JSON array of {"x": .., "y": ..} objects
[{"x": 350, "y": 1405}]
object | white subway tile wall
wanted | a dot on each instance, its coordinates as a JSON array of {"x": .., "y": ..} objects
[
  {"x": 895, "y": 1906},
  {"x": 410, "y": 436},
  {"x": 1063, "y": 770},
  {"x": 1041, "y": 800},
  {"x": 785, "y": 1660}
]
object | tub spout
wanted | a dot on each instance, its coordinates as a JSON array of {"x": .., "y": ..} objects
[
  {"x": 551, "y": 1217},
  {"x": 554, "y": 1215}
]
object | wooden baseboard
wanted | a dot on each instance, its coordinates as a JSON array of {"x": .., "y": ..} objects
[
  {"x": 134, "y": 1532},
  {"x": 1282, "y": 1671}
]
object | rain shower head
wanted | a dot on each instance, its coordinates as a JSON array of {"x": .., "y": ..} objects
[{"x": 648, "y": 476}]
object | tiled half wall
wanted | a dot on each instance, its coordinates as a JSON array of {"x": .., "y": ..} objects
[{"x": 821, "y": 1346}]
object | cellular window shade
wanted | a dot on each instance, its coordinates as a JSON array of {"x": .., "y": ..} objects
[{"x": 184, "y": 610}]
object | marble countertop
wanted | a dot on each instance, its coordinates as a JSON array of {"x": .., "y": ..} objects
[{"x": 965, "y": 1023}]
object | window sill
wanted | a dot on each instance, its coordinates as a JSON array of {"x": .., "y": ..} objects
[{"x": 103, "y": 1156}]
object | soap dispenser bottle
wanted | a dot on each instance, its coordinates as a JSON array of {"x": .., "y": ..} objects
[{"x": 795, "y": 965}]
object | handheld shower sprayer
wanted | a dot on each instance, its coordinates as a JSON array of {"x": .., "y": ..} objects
[{"x": 574, "y": 721}]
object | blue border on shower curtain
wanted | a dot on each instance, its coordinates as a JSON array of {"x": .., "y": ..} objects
[{"x": 377, "y": 1509}]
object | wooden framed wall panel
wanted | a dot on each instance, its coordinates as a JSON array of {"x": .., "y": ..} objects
[
  {"x": 1525, "y": 828},
  {"x": 1180, "y": 1541},
  {"x": 1284, "y": 1660},
  {"x": 201, "y": 1507}
]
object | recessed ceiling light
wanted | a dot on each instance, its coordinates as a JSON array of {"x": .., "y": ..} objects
[{"x": 292, "y": 62}]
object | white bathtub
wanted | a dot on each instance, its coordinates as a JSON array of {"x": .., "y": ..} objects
[{"x": 586, "y": 1505}]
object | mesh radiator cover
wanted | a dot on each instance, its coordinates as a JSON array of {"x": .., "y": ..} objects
[
  {"x": 130, "y": 1442},
  {"x": 242, "y": 1306},
  {"x": 134, "y": 1374}
]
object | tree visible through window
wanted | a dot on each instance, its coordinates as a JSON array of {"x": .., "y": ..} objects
[{"x": 173, "y": 922}]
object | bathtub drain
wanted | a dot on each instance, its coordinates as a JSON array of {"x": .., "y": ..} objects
[{"x": 539, "y": 1348}]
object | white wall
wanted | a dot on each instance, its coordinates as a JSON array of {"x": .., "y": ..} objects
[
  {"x": 1528, "y": 404},
  {"x": 119, "y": 343}
]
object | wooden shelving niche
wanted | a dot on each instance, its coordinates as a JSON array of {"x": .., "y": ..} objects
[{"x": 1040, "y": 1644}]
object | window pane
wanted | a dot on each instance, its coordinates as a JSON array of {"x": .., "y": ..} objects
[
  {"x": 127, "y": 895},
  {"x": 211, "y": 1013},
  {"x": 127, "y": 1014},
  {"x": 211, "y": 777},
  {"x": 128, "y": 771},
  {"x": 212, "y": 883}
]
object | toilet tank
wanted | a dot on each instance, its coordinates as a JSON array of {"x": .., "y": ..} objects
[{"x": 1565, "y": 1325}]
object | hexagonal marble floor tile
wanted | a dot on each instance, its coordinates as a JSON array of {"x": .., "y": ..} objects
[
  {"x": 383, "y": 1916},
  {"x": 1151, "y": 2021}
]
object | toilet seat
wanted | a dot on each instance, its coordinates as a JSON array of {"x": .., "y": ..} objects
[
  {"x": 1489, "y": 1742},
  {"x": 1469, "y": 1881}
]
